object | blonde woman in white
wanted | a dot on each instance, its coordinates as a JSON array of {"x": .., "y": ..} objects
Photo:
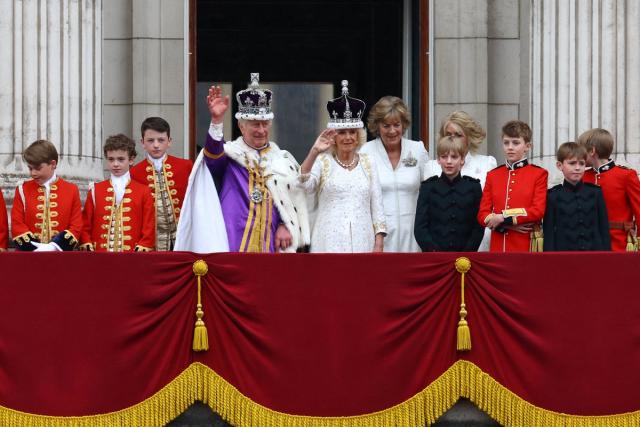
[{"x": 401, "y": 165}]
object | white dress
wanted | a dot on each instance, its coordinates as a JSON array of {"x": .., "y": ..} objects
[
  {"x": 476, "y": 166},
  {"x": 349, "y": 205},
  {"x": 400, "y": 188}
]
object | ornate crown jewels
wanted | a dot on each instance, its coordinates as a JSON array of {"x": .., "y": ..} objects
[
  {"x": 254, "y": 103},
  {"x": 345, "y": 112}
]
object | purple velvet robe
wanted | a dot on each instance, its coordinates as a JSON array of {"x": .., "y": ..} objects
[{"x": 235, "y": 200}]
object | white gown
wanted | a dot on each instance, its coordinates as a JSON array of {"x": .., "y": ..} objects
[
  {"x": 349, "y": 205},
  {"x": 476, "y": 166},
  {"x": 400, "y": 188}
]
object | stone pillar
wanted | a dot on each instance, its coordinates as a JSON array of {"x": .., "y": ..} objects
[
  {"x": 479, "y": 64},
  {"x": 585, "y": 66},
  {"x": 50, "y": 86},
  {"x": 144, "y": 74}
]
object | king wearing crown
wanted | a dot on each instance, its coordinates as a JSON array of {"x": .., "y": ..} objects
[{"x": 263, "y": 208}]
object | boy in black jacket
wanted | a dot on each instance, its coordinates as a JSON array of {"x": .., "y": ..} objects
[
  {"x": 576, "y": 215},
  {"x": 448, "y": 204}
]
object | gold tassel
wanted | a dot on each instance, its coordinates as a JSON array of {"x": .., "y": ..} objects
[
  {"x": 463, "y": 265},
  {"x": 632, "y": 243},
  {"x": 200, "y": 337},
  {"x": 537, "y": 240}
]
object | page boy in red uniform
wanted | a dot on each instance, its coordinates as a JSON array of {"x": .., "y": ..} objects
[
  {"x": 515, "y": 194},
  {"x": 620, "y": 187},
  {"x": 119, "y": 214},
  {"x": 46, "y": 213},
  {"x": 4, "y": 226},
  {"x": 167, "y": 177}
]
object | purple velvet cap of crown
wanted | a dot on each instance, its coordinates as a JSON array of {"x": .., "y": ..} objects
[
  {"x": 254, "y": 103},
  {"x": 345, "y": 112}
]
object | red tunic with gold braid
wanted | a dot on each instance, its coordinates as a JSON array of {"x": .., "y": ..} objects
[
  {"x": 621, "y": 191},
  {"x": 4, "y": 225},
  {"x": 168, "y": 187},
  {"x": 56, "y": 218},
  {"x": 519, "y": 192},
  {"x": 129, "y": 226}
]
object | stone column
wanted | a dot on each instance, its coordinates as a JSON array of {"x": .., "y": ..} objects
[
  {"x": 145, "y": 52},
  {"x": 50, "y": 86},
  {"x": 585, "y": 64},
  {"x": 479, "y": 59}
]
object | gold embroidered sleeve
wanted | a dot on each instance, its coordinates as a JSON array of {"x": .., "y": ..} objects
[
  {"x": 24, "y": 238},
  {"x": 211, "y": 155}
]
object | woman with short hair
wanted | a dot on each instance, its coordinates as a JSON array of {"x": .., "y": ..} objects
[
  {"x": 400, "y": 163},
  {"x": 460, "y": 124}
]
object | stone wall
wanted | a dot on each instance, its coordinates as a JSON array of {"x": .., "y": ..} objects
[
  {"x": 144, "y": 66},
  {"x": 480, "y": 63},
  {"x": 50, "y": 86}
]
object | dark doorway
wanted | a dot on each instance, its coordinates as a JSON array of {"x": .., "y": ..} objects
[{"x": 300, "y": 42}]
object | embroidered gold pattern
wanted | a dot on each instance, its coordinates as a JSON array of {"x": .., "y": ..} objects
[
  {"x": 166, "y": 216},
  {"x": 255, "y": 232}
]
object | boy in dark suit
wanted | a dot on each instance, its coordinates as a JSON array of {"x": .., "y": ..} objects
[
  {"x": 576, "y": 216},
  {"x": 448, "y": 204}
]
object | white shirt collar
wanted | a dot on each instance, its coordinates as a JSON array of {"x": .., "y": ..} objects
[
  {"x": 157, "y": 163},
  {"x": 47, "y": 184},
  {"x": 119, "y": 184}
]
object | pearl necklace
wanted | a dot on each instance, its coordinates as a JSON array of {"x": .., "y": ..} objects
[{"x": 344, "y": 165}]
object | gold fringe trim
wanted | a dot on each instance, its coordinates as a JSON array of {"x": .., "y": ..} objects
[{"x": 199, "y": 382}]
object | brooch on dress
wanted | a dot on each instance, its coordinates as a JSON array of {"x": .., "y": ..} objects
[{"x": 410, "y": 161}]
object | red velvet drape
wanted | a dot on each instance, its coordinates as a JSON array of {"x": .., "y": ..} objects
[{"x": 326, "y": 335}]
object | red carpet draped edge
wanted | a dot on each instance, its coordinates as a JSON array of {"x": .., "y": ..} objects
[{"x": 557, "y": 335}]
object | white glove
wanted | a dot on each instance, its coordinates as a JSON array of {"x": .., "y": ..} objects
[{"x": 46, "y": 247}]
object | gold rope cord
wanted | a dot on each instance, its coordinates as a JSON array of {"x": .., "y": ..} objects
[
  {"x": 200, "y": 336},
  {"x": 199, "y": 382},
  {"x": 463, "y": 265}
]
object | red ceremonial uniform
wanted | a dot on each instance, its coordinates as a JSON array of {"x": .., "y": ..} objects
[
  {"x": 4, "y": 225},
  {"x": 621, "y": 191},
  {"x": 168, "y": 187},
  {"x": 519, "y": 192},
  {"x": 129, "y": 226},
  {"x": 175, "y": 172},
  {"x": 56, "y": 218}
]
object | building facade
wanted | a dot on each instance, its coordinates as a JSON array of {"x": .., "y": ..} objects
[
  {"x": 76, "y": 71},
  {"x": 95, "y": 68}
]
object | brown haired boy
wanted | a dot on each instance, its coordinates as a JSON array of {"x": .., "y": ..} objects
[
  {"x": 620, "y": 187},
  {"x": 46, "y": 213},
  {"x": 515, "y": 195},
  {"x": 118, "y": 213},
  {"x": 576, "y": 216},
  {"x": 167, "y": 177},
  {"x": 448, "y": 204}
]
